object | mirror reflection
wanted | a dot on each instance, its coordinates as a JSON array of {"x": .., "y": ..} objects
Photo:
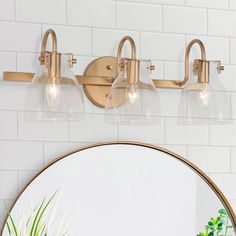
[{"x": 119, "y": 189}]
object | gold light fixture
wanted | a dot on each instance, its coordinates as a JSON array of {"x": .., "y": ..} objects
[
  {"x": 130, "y": 95},
  {"x": 202, "y": 100},
  {"x": 54, "y": 93},
  {"x": 123, "y": 86}
]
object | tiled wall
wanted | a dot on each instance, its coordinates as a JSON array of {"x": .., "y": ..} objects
[{"x": 92, "y": 28}]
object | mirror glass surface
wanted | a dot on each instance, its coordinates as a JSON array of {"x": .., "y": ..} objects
[{"x": 118, "y": 189}]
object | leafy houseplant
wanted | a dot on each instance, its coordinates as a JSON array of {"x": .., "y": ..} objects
[
  {"x": 41, "y": 221},
  {"x": 218, "y": 226}
]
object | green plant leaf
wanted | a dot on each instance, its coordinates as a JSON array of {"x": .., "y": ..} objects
[
  {"x": 44, "y": 209},
  {"x": 8, "y": 228},
  {"x": 36, "y": 217},
  {"x": 11, "y": 219},
  {"x": 223, "y": 212}
]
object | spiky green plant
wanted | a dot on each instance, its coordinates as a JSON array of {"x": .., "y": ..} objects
[
  {"x": 38, "y": 222},
  {"x": 218, "y": 226}
]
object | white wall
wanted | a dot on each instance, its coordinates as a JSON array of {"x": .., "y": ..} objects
[{"x": 92, "y": 28}]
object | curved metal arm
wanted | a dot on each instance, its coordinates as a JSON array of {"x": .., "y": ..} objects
[
  {"x": 187, "y": 55},
  {"x": 44, "y": 44},
  {"x": 120, "y": 47}
]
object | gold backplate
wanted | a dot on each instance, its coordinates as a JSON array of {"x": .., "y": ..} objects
[{"x": 101, "y": 67}]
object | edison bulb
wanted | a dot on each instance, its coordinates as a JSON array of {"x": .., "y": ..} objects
[
  {"x": 132, "y": 93},
  {"x": 204, "y": 95},
  {"x": 53, "y": 95}
]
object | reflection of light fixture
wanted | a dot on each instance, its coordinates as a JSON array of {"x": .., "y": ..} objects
[
  {"x": 123, "y": 87},
  {"x": 202, "y": 101},
  {"x": 130, "y": 95},
  {"x": 55, "y": 92}
]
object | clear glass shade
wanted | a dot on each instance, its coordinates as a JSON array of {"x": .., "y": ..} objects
[
  {"x": 55, "y": 98},
  {"x": 133, "y": 103},
  {"x": 205, "y": 102}
]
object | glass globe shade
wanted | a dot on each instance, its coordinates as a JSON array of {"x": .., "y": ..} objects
[
  {"x": 133, "y": 103},
  {"x": 55, "y": 98},
  {"x": 205, "y": 103}
]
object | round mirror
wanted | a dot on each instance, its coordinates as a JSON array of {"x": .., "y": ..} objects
[{"x": 121, "y": 189}]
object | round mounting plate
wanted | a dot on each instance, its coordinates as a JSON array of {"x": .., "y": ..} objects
[{"x": 101, "y": 67}]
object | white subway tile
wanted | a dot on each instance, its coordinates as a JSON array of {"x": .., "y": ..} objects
[
  {"x": 82, "y": 63},
  {"x": 16, "y": 155},
  {"x": 105, "y": 42},
  {"x": 95, "y": 13},
  {"x": 210, "y": 159},
  {"x": 42, "y": 130},
  {"x": 7, "y": 62},
  {"x": 162, "y": 46},
  {"x": 169, "y": 100},
  {"x": 174, "y": 70},
  {"x": 7, "y": 11},
  {"x": 233, "y": 105},
  {"x": 220, "y": 23},
  {"x": 176, "y": 133},
  {"x": 224, "y": 134},
  {"x": 13, "y": 95},
  {"x": 233, "y": 50},
  {"x": 177, "y": 149},
  {"x": 158, "y": 73},
  {"x": 5, "y": 206},
  {"x": 221, "y": 4},
  {"x": 8, "y": 125},
  {"x": 72, "y": 39},
  {"x": 216, "y": 48},
  {"x": 147, "y": 134},
  {"x": 24, "y": 177},
  {"x": 166, "y": 2},
  {"x": 20, "y": 37},
  {"x": 226, "y": 183},
  {"x": 228, "y": 77},
  {"x": 233, "y": 159},
  {"x": 55, "y": 150},
  {"x": 28, "y": 62},
  {"x": 185, "y": 20},
  {"x": 41, "y": 11},
  {"x": 232, "y": 4},
  {"x": 139, "y": 16},
  {"x": 92, "y": 129},
  {"x": 8, "y": 183}
]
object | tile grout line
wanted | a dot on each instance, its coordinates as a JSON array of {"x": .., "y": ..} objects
[
  {"x": 116, "y": 14},
  {"x": 209, "y": 131},
  {"x": 17, "y": 124},
  {"x": 66, "y": 11},
  {"x": 119, "y": 29},
  {"x": 164, "y": 129},
  {"x": 162, "y": 18},
  {"x": 43, "y": 145},
  {"x": 207, "y": 21},
  {"x": 15, "y": 10},
  {"x": 18, "y": 182}
]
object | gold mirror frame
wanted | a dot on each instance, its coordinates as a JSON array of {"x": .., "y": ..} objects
[{"x": 189, "y": 164}]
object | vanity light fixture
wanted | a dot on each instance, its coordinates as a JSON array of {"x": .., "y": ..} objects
[
  {"x": 123, "y": 86},
  {"x": 202, "y": 100},
  {"x": 133, "y": 89},
  {"x": 54, "y": 93}
]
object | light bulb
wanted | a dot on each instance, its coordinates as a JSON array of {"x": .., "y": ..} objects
[
  {"x": 204, "y": 95},
  {"x": 132, "y": 94},
  {"x": 53, "y": 95}
]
